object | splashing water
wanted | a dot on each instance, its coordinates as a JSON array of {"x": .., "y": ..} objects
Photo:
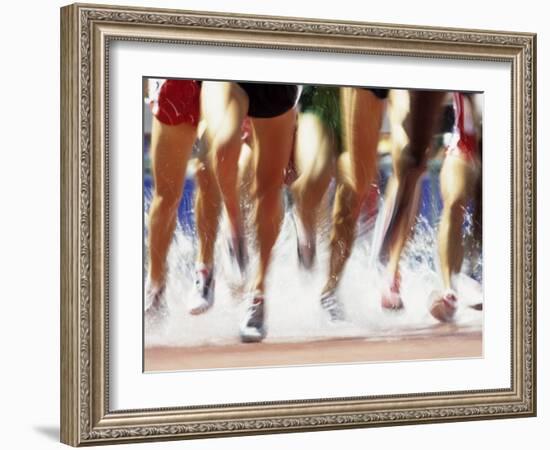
[{"x": 292, "y": 294}]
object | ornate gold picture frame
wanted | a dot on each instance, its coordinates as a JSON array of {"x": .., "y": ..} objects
[{"x": 87, "y": 33}]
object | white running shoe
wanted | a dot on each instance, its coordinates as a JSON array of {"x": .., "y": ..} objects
[
  {"x": 203, "y": 299},
  {"x": 252, "y": 328},
  {"x": 156, "y": 307},
  {"x": 333, "y": 307}
]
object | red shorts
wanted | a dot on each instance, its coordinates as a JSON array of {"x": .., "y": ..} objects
[
  {"x": 177, "y": 102},
  {"x": 464, "y": 142}
]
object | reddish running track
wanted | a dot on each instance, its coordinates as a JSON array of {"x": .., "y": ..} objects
[{"x": 439, "y": 343}]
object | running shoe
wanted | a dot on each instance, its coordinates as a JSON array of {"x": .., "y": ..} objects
[
  {"x": 306, "y": 245},
  {"x": 204, "y": 285},
  {"x": 156, "y": 306},
  {"x": 391, "y": 295},
  {"x": 252, "y": 328},
  {"x": 333, "y": 307},
  {"x": 444, "y": 306}
]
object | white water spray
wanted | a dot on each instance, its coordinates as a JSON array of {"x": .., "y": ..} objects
[{"x": 292, "y": 294}]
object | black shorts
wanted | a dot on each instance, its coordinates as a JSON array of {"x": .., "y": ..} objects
[
  {"x": 269, "y": 100},
  {"x": 380, "y": 93}
]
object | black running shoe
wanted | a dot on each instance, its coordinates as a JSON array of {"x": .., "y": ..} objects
[
  {"x": 333, "y": 307},
  {"x": 252, "y": 327},
  {"x": 203, "y": 300}
]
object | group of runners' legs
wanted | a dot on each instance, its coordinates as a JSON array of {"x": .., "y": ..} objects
[{"x": 324, "y": 133}]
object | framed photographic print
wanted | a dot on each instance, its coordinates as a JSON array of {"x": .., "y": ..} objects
[{"x": 276, "y": 225}]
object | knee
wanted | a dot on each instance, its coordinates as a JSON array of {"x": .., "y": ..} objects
[
  {"x": 319, "y": 180},
  {"x": 353, "y": 182},
  {"x": 166, "y": 201},
  {"x": 222, "y": 151},
  {"x": 225, "y": 149},
  {"x": 310, "y": 187},
  {"x": 268, "y": 183}
]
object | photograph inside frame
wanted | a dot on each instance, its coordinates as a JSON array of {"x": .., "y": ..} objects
[{"x": 290, "y": 225}]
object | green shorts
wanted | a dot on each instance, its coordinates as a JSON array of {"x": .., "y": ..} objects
[{"x": 324, "y": 102}]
